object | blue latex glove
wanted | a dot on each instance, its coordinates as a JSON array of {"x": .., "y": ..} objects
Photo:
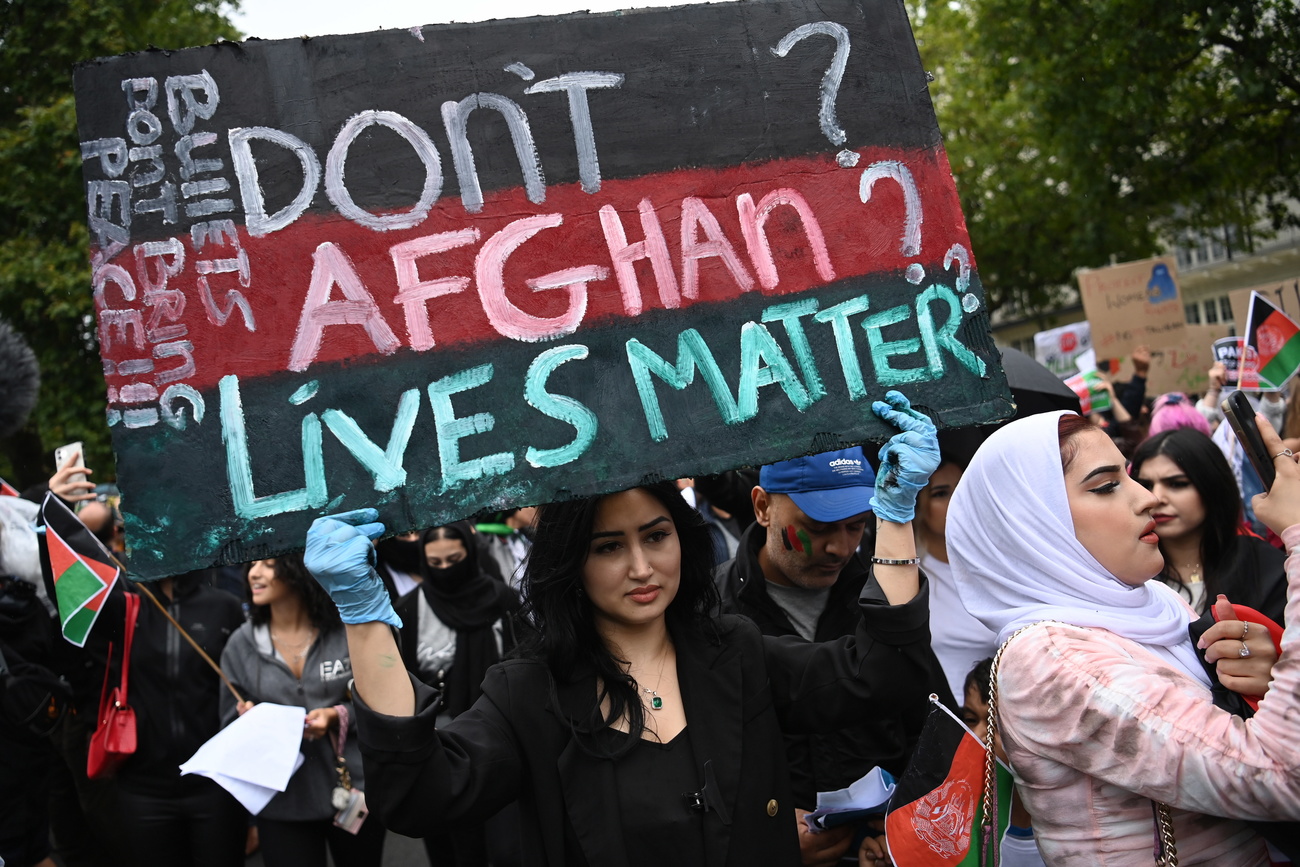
[
  {"x": 906, "y": 461},
  {"x": 342, "y": 560}
]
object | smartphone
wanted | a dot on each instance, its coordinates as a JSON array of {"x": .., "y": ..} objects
[
  {"x": 70, "y": 455},
  {"x": 1241, "y": 415}
]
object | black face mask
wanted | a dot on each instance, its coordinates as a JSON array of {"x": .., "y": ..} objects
[
  {"x": 450, "y": 578},
  {"x": 401, "y": 554}
]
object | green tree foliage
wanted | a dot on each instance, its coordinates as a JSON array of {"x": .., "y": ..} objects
[
  {"x": 44, "y": 250},
  {"x": 1084, "y": 130}
]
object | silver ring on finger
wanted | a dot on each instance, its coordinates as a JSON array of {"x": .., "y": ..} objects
[
  {"x": 1245, "y": 651},
  {"x": 1285, "y": 452},
  {"x": 1245, "y": 629}
]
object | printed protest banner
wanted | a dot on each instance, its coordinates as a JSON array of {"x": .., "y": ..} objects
[
  {"x": 1058, "y": 348},
  {"x": 465, "y": 266}
]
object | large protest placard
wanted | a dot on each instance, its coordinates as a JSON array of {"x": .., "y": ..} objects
[
  {"x": 466, "y": 266},
  {"x": 1133, "y": 304}
]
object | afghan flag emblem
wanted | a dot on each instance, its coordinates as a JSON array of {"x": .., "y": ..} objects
[
  {"x": 82, "y": 569},
  {"x": 936, "y": 811},
  {"x": 1276, "y": 341}
]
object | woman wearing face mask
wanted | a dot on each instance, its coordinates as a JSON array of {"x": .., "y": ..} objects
[
  {"x": 1103, "y": 707},
  {"x": 1198, "y": 520},
  {"x": 458, "y": 622}
]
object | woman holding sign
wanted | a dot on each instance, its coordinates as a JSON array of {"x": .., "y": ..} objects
[
  {"x": 638, "y": 728},
  {"x": 1103, "y": 706}
]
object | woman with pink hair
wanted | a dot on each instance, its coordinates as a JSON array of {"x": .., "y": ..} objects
[{"x": 1175, "y": 410}]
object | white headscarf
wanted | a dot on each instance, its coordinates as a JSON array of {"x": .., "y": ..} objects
[{"x": 1016, "y": 560}]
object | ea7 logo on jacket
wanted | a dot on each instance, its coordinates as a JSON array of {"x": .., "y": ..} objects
[{"x": 333, "y": 669}]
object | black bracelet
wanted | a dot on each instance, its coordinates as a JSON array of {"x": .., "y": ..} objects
[{"x": 882, "y": 561}]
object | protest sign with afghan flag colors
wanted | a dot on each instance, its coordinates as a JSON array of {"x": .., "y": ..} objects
[
  {"x": 575, "y": 253},
  {"x": 1276, "y": 340},
  {"x": 82, "y": 570},
  {"x": 935, "y": 814}
]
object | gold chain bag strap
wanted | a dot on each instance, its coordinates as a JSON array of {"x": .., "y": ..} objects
[{"x": 1166, "y": 849}]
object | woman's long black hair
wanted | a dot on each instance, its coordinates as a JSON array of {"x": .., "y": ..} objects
[
  {"x": 559, "y": 614},
  {"x": 1208, "y": 471},
  {"x": 289, "y": 568}
]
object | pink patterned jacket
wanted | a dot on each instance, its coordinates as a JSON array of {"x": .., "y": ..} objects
[{"x": 1095, "y": 726}]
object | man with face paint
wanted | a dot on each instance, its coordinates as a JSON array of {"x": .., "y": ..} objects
[{"x": 798, "y": 572}]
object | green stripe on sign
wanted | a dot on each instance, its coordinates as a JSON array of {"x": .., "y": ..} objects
[{"x": 1283, "y": 364}]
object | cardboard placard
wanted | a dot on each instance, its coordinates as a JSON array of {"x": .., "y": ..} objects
[
  {"x": 1284, "y": 293},
  {"x": 466, "y": 266},
  {"x": 1133, "y": 304}
]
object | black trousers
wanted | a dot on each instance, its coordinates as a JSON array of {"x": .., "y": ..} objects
[
  {"x": 195, "y": 823},
  {"x": 302, "y": 844}
]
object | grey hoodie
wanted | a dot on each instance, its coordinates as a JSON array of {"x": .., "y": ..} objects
[{"x": 259, "y": 674}]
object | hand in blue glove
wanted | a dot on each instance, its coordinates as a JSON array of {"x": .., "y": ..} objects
[
  {"x": 906, "y": 461},
  {"x": 341, "y": 558}
]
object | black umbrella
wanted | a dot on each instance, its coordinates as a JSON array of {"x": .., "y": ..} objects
[{"x": 1034, "y": 388}]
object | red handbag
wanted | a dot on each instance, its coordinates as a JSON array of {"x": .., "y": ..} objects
[{"x": 114, "y": 739}]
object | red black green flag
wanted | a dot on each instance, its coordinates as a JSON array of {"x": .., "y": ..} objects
[
  {"x": 82, "y": 570},
  {"x": 935, "y": 814},
  {"x": 1276, "y": 340}
]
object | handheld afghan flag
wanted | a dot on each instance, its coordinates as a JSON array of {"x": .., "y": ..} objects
[
  {"x": 935, "y": 814},
  {"x": 1275, "y": 339},
  {"x": 82, "y": 570},
  {"x": 7, "y": 490}
]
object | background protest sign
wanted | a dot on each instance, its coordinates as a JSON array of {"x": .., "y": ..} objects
[
  {"x": 1058, "y": 348},
  {"x": 1285, "y": 294},
  {"x": 1133, "y": 304},
  {"x": 1184, "y": 366},
  {"x": 466, "y": 266}
]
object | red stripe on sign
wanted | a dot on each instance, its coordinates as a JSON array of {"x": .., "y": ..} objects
[{"x": 212, "y": 302}]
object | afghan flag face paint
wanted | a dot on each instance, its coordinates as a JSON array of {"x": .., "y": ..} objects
[
  {"x": 1276, "y": 340},
  {"x": 82, "y": 569},
  {"x": 795, "y": 539}
]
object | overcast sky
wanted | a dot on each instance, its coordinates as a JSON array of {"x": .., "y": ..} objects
[{"x": 283, "y": 19}]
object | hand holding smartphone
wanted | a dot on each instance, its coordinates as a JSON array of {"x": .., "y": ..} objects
[
  {"x": 1241, "y": 415},
  {"x": 72, "y": 487}
]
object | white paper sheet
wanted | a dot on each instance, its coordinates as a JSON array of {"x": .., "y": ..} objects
[{"x": 254, "y": 756}]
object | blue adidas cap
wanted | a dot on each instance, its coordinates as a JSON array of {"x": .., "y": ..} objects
[{"x": 828, "y": 487}]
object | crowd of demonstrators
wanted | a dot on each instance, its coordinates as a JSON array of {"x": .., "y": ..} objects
[
  {"x": 631, "y": 689},
  {"x": 642, "y": 671},
  {"x": 797, "y": 570}
]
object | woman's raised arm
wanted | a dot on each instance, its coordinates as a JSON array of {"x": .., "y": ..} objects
[{"x": 341, "y": 558}]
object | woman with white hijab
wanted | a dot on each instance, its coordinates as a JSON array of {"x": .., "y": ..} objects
[{"x": 1102, "y": 705}]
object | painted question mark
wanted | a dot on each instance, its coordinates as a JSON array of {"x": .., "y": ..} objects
[
  {"x": 910, "y": 243},
  {"x": 961, "y": 255},
  {"x": 830, "y": 86}
]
